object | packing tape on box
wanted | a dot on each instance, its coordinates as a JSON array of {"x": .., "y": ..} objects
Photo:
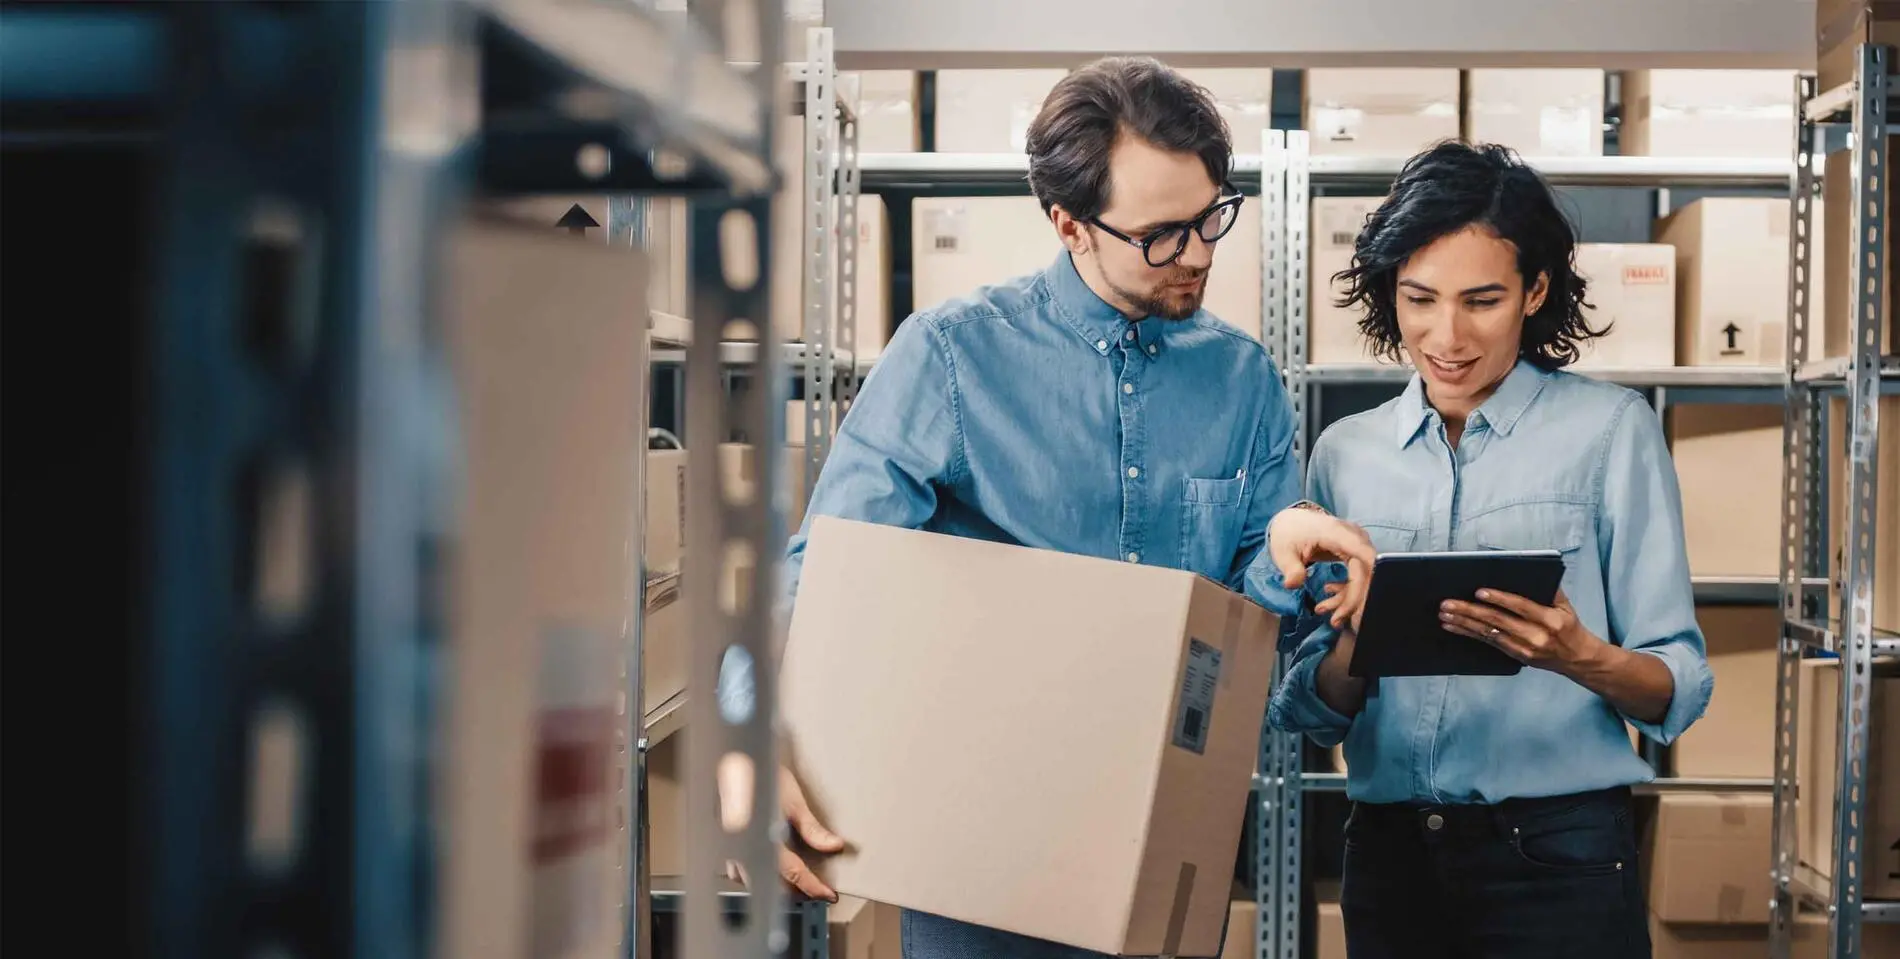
[
  {"x": 1177, "y": 913},
  {"x": 1728, "y": 903}
]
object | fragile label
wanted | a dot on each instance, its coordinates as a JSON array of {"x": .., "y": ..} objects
[
  {"x": 1199, "y": 680},
  {"x": 1643, "y": 274}
]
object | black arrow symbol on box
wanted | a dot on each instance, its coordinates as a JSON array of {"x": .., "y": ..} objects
[
  {"x": 577, "y": 221},
  {"x": 1729, "y": 331}
]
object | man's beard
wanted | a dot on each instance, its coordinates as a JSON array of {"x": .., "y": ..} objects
[{"x": 1163, "y": 303}]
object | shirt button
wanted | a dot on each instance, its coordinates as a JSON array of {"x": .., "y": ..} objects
[
  {"x": 1128, "y": 387},
  {"x": 1130, "y": 334},
  {"x": 1151, "y": 349},
  {"x": 1134, "y": 471},
  {"x": 1134, "y": 557},
  {"x": 1101, "y": 344},
  {"x": 1434, "y": 822}
]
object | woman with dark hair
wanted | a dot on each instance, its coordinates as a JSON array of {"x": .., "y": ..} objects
[{"x": 1491, "y": 815}]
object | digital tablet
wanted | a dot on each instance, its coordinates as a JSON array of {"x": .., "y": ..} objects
[{"x": 1400, "y": 633}]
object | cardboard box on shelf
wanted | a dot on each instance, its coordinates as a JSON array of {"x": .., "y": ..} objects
[
  {"x": 666, "y": 807},
  {"x": 1244, "y": 97},
  {"x": 887, "y": 112},
  {"x": 1837, "y": 232},
  {"x": 736, "y": 463},
  {"x": 1672, "y": 940},
  {"x": 1383, "y": 112},
  {"x": 1333, "y": 331},
  {"x": 873, "y": 278},
  {"x": 663, "y": 648},
  {"x": 1840, "y": 26},
  {"x": 1877, "y": 940},
  {"x": 1632, "y": 287},
  {"x": 548, "y": 361},
  {"x": 666, "y": 508},
  {"x": 1538, "y": 113},
  {"x": 1708, "y": 113},
  {"x": 1735, "y": 738},
  {"x": 962, "y": 243},
  {"x": 852, "y": 925},
  {"x": 668, "y": 231},
  {"x": 1241, "y": 915},
  {"x": 1886, "y": 580},
  {"x": 1330, "y": 929},
  {"x": 1816, "y": 763},
  {"x": 1728, "y": 462},
  {"x": 1732, "y": 280},
  {"x": 989, "y": 111},
  {"x": 1111, "y": 738},
  {"x": 1708, "y": 858}
]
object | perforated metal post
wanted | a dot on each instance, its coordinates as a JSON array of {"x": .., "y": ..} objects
[
  {"x": 820, "y": 209},
  {"x": 730, "y": 545},
  {"x": 847, "y": 247},
  {"x": 1298, "y": 210},
  {"x": 1863, "y": 411},
  {"x": 1798, "y": 479},
  {"x": 1273, "y": 261}
]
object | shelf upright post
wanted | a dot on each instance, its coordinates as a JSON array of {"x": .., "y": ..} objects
[
  {"x": 1277, "y": 873},
  {"x": 1799, "y": 525},
  {"x": 1863, "y": 409},
  {"x": 848, "y": 190},
  {"x": 819, "y": 209},
  {"x": 734, "y": 656}
]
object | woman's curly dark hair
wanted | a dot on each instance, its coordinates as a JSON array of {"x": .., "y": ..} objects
[{"x": 1443, "y": 190}]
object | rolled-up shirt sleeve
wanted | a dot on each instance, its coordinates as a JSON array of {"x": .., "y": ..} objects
[
  {"x": 1296, "y": 706},
  {"x": 1648, "y": 595}
]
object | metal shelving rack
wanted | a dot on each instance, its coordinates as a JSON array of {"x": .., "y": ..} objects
[
  {"x": 359, "y": 128},
  {"x": 722, "y": 372},
  {"x": 1862, "y": 105}
]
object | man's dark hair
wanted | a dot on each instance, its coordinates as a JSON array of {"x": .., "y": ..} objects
[
  {"x": 1443, "y": 190},
  {"x": 1070, "y": 138}
]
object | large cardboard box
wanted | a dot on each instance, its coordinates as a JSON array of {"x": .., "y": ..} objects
[
  {"x": 989, "y": 111},
  {"x": 1708, "y": 858},
  {"x": 1817, "y": 759},
  {"x": 1840, "y": 26},
  {"x": 1838, "y": 253},
  {"x": 1330, "y": 928},
  {"x": 1538, "y": 113},
  {"x": 887, "y": 112},
  {"x": 667, "y": 241},
  {"x": 1671, "y": 940},
  {"x": 1384, "y": 112},
  {"x": 1728, "y": 463},
  {"x": 548, "y": 352},
  {"x": 1877, "y": 940},
  {"x": 666, "y": 806},
  {"x": 1735, "y": 738},
  {"x": 1886, "y": 518},
  {"x": 1632, "y": 287},
  {"x": 1732, "y": 280},
  {"x": 954, "y": 706},
  {"x": 666, "y": 509},
  {"x": 1242, "y": 916},
  {"x": 872, "y": 281},
  {"x": 1708, "y": 113},
  {"x": 852, "y": 927},
  {"x": 962, "y": 243},
  {"x": 1332, "y": 332},
  {"x": 1244, "y": 96}
]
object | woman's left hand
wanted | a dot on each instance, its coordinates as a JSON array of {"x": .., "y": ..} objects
[{"x": 1548, "y": 637}]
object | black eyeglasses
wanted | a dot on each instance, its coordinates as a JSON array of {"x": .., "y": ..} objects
[{"x": 1165, "y": 244}]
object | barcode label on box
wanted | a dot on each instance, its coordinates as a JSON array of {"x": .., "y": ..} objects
[
  {"x": 1200, "y": 677},
  {"x": 944, "y": 229}
]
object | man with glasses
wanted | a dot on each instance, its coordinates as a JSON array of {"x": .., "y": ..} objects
[{"x": 1093, "y": 407}]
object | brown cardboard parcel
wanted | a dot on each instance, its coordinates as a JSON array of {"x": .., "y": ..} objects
[
  {"x": 1538, "y": 113},
  {"x": 1054, "y": 745},
  {"x": 1728, "y": 462},
  {"x": 548, "y": 358},
  {"x": 1732, "y": 280},
  {"x": 1820, "y": 698},
  {"x": 1735, "y": 738},
  {"x": 1840, "y": 26},
  {"x": 1332, "y": 330},
  {"x": 1673, "y": 940},
  {"x": 1632, "y": 287},
  {"x": 1708, "y": 858},
  {"x": 1885, "y": 586},
  {"x": 1708, "y": 113}
]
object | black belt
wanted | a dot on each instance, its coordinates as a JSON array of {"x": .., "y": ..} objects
[{"x": 1486, "y": 818}]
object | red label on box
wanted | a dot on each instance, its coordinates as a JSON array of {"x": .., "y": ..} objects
[
  {"x": 1645, "y": 275},
  {"x": 573, "y": 808}
]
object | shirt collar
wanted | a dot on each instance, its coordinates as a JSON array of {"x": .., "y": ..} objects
[
  {"x": 1500, "y": 412},
  {"x": 1100, "y": 325}
]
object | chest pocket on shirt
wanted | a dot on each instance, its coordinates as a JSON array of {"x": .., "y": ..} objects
[
  {"x": 1211, "y": 513},
  {"x": 1550, "y": 524},
  {"x": 1390, "y": 537}
]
